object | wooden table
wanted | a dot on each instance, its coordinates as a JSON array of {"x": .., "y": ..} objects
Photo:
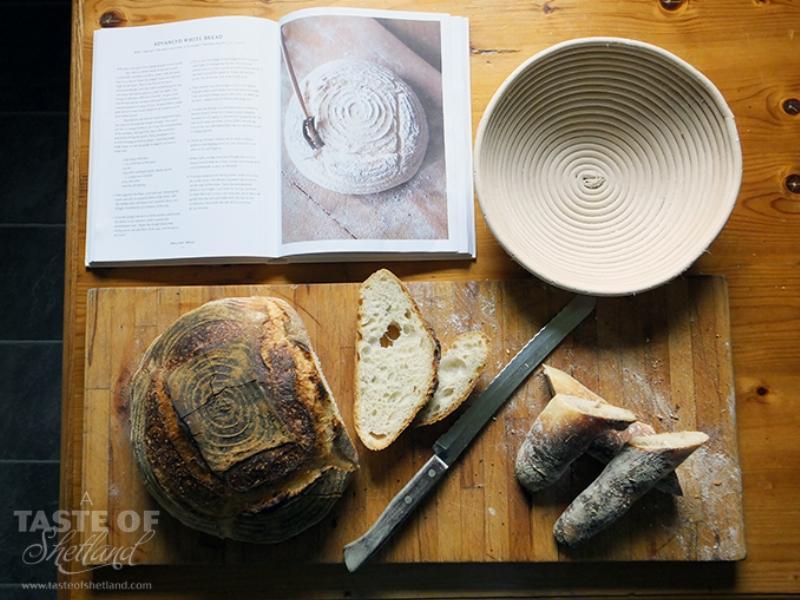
[{"x": 751, "y": 50}]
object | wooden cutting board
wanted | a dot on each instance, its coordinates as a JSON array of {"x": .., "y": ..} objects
[{"x": 664, "y": 354}]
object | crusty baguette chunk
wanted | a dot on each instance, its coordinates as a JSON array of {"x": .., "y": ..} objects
[
  {"x": 560, "y": 382},
  {"x": 459, "y": 369},
  {"x": 606, "y": 445},
  {"x": 397, "y": 358},
  {"x": 636, "y": 469},
  {"x": 560, "y": 434}
]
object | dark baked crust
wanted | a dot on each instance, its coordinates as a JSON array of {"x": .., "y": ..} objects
[{"x": 233, "y": 425}]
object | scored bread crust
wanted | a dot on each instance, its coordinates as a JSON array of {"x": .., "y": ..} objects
[
  {"x": 423, "y": 419},
  {"x": 369, "y": 441},
  {"x": 250, "y": 357}
]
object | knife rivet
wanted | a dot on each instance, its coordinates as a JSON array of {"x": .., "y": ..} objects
[
  {"x": 431, "y": 473},
  {"x": 408, "y": 499}
]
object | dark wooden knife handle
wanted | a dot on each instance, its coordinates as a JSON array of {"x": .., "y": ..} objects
[{"x": 402, "y": 505}]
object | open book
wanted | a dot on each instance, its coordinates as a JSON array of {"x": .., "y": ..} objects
[{"x": 335, "y": 134}]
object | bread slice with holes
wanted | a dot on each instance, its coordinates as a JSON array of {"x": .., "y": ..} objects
[
  {"x": 397, "y": 358},
  {"x": 461, "y": 366}
]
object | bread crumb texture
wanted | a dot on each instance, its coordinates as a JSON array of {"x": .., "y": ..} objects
[
  {"x": 397, "y": 358},
  {"x": 461, "y": 366}
]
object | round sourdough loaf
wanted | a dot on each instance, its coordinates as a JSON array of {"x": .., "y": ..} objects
[
  {"x": 234, "y": 426},
  {"x": 372, "y": 123}
]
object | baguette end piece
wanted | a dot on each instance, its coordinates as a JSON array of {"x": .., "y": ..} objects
[
  {"x": 561, "y": 382},
  {"x": 642, "y": 463},
  {"x": 606, "y": 446},
  {"x": 560, "y": 434}
]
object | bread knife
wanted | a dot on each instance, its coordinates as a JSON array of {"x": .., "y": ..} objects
[{"x": 454, "y": 441}]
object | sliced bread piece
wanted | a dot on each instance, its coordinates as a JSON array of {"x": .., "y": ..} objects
[
  {"x": 461, "y": 365},
  {"x": 397, "y": 358}
]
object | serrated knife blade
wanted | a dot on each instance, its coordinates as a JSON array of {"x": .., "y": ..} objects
[{"x": 452, "y": 443}]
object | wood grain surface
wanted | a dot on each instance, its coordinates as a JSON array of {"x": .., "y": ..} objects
[
  {"x": 667, "y": 352},
  {"x": 751, "y": 50}
]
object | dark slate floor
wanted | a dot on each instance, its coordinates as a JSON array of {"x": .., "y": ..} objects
[{"x": 34, "y": 88}]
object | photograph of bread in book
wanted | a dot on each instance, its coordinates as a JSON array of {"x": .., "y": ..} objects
[
  {"x": 363, "y": 154},
  {"x": 206, "y": 146}
]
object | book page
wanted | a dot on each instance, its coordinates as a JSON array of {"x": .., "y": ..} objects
[
  {"x": 184, "y": 143},
  {"x": 389, "y": 95}
]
